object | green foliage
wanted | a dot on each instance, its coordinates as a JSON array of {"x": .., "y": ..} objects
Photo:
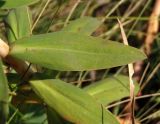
[
  {"x": 8, "y": 4},
  {"x": 34, "y": 114},
  {"x": 70, "y": 48},
  {"x": 103, "y": 90},
  {"x": 18, "y": 23},
  {"x": 4, "y": 96},
  {"x": 71, "y": 103},
  {"x": 83, "y": 25},
  {"x": 73, "y": 52}
]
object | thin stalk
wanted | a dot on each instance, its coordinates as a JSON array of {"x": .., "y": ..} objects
[
  {"x": 130, "y": 10},
  {"x": 150, "y": 76},
  {"x": 131, "y": 72},
  {"x": 85, "y": 74},
  {"x": 149, "y": 116},
  {"x": 15, "y": 109},
  {"x": 146, "y": 105},
  {"x": 141, "y": 13},
  {"x": 148, "y": 110},
  {"x": 112, "y": 10},
  {"x": 80, "y": 79},
  {"x": 11, "y": 118},
  {"x": 86, "y": 8},
  {"x": 71, "y": 12},
  {"x": 136, "y": 98},
  {"x": 144, "y": 73},
  {"x": 76, "y": 82},
  {"x": 142, "y": 18},
  {"x": 58, "y": 75},
  {"x": 128, "y": 13},
  {"x": 52, "y": 20},
  {"x": 35, "y": 23},
  {"x": 105, "y": 73},
  {"x": 30, "y": 25},
  {"x": 119, "y": 70},
  {"x": 111, "y": 31}
]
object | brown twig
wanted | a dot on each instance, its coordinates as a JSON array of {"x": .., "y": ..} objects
[
  {"x": 136, "y": 98},
  {"x": 153, "y": 26}
]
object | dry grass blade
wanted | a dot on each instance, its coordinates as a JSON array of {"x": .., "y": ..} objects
[
  {"x": 40, "y": 14},
  {"x": 71, "y": 12},
  {"x": 153, "y": 26},
  {"x": 136, "y": 98},
  {"x": 131, "y": 72},
  {"x": 112, "y": 10},
  {"x": 150, "y": 76}
]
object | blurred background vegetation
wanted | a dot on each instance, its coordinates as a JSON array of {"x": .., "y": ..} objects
[{"x": 140, "y": 19}]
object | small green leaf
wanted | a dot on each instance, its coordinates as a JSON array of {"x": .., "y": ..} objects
[
  {"x": 72, "y": 103},
  {"x": 4, "y": 96},
  {"x": 110, "y": 89},
  {"x": 85, "y": 25},
  {"x": 32, "y": 114},
  {"x": 68, "y": 51},
  {"x": 11, "y": 26},
  {"x": 18, "y": 23},
  {"x": 9, "y": 4}
]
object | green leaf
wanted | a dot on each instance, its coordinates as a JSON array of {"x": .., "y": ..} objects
[
  {"x": 11, "y": 22},
  {"x": 4, "y": 109},
  {"x": 18, "y": 23},
  {"x": 72, "y": 103},
  {"x": 85, "y": 25},
  {"x": 111, "y": 89},
  {"x": 9, "y": 4},
  {"x": 34, "y": 114},
  {"x": 67, "y": 51}
]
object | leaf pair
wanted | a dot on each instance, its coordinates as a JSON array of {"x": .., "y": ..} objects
[{"x": 73, "y": 50}]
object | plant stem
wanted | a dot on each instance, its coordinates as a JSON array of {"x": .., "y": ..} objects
[
  {"x": 71, "y": 12},
  {"x": 40, "y": 15}
]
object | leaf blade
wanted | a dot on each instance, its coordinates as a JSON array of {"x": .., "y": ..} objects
[
  {"x": 78, "y": 106},
  {"x": 18, "y": 23},
  {"x": 103, "y": 89},
  {"x": 85, "y": 25},
  {"x": 4, "y": 109},
  {"x": 9, "y": 4},
  {"x": 74, "y": 52}
]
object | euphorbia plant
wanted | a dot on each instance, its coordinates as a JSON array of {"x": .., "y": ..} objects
[{"x": 71, "y": 49}]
